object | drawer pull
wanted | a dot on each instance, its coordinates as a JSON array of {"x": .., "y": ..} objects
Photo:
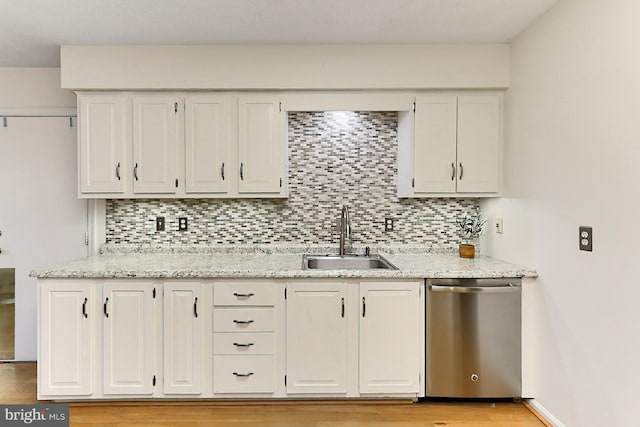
[
  {"x": 243, "y": 375},
  {"x": 243, "y": 345},
  {"x": 195, "y": 307},
  {"x": 243, "y": 322},
  {"x": 235, "y": 294}
]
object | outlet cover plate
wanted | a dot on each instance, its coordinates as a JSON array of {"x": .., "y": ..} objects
[
  {"x": 182, "y": 224},
  {"x": 585, "y": 238},
  {"x": 388, "y": 224}
]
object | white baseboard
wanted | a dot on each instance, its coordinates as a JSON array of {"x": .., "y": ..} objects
[{"x": 545, "y": 413}]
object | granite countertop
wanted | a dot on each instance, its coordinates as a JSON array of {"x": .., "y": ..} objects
[{"x": 272, "y": 262}]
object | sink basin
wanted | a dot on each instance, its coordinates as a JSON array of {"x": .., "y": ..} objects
[{"x": 346, "y": 262}]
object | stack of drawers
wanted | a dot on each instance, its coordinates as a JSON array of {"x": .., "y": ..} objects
[{"x": 243, "y": 336}]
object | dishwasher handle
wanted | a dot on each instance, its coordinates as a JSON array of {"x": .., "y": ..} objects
[{"x": 507, "y": 287}]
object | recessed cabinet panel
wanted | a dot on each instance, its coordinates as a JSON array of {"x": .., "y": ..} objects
[
  {"x": 128, "y": 344},
  {"x": 154, "y": 145},
  {"x": 183, "y": 316},
  {"x": 207, "y": 144},
  {"x": 260, "y": 145},
  {"x": 102, "y": 142},
  {"x": 317, "y": 356},
  {"x": 390, "y": 337},
  {"x": 478, "y": 144},
  {"x": 64, "y": 359},
  {"x": 435, "y": 144}
]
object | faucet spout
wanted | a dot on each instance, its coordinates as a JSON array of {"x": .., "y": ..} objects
[{"x": 345, "y": 228}]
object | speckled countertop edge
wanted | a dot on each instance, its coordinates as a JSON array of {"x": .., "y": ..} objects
[{"x": 273, "y": 261}]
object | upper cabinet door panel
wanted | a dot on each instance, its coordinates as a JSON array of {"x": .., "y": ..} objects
[
  {"x": 207, "y": 144},
  {"x": 479, "y": 130},
  {"x": 154, "y": 144},
  {"x": 102, "y": 143},
  {"x": 435, "y": 144},
  {"x": 261, "y": 145}
]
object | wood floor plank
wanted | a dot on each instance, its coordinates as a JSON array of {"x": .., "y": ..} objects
[{"x": 18, "y": 385}]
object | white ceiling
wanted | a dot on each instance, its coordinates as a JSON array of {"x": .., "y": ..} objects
[{"x": 31, "y": 31}]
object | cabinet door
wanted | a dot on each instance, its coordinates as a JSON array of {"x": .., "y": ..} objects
[
  {"x": 207, "y": 144},
  {"x": 128, "y": 331},
  {"x": 64, "y": 353},
  {"x": 316, "y": 338},
  {"x": 103, "y": 138},
  {"x": 479, "y": 130},
  {"x": 261, "y": 145},
  {"x": 434, "y": 150},
  {"x": 389, "y": 337},
  {"x": 183, "y": 314},
  {"x": 154, "y": 144}
]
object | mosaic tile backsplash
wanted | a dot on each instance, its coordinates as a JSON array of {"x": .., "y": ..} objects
[{"x": 335, "y": 158}]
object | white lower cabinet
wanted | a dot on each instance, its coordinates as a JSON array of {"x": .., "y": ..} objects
[
  {"x": 183, "y": 337},
  {"x": 65, "y": 351},
  {"x": 128, "y": 338},
  {"x": 311, "y": 338},
  {"x": 244, "y": 337},
  {"x": 317, "y": 337},
  {"x": 391, "y": 336},
  {"x": 355, "y": 338}
]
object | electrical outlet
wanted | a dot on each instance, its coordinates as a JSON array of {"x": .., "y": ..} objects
[
  {"x": 499, "y": 225},
  {"x": 585, "y": 238},
  {"x": 388, "y": 224},
  {"x": 159, "y": 223},
  {"x": 182, "y": 224}
]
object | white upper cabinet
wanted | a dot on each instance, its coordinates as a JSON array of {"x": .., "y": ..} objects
[
  {"x": 102, "y": 144},
  {"x": 451, "y": 146},
  {"x": 207, "y": 144},
  {"x": 261, "y": 145},
  {"x": 154, "y": 144},
  {"x": 479, "y": 145},
  {"x": 204, "y": 145}
]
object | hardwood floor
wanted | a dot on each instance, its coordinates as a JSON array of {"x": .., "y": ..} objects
[{"x": 18, "y": 385}]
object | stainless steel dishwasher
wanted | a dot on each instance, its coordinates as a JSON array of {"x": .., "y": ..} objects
[{"x": 474, "y": 338}]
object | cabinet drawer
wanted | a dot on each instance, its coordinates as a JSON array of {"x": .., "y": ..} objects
[
  {"x": 243, "y": 374},
  {"x": 240, "y": 343},
  {"x": 243, "y": 320},
  {"x": 244, "y": 293}
]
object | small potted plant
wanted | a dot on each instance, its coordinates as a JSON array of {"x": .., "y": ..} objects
[{"x": 470, "y": 226}]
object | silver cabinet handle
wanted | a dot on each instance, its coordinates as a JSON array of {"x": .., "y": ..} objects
[
  {"x": 135, "y": 171},
  {"x": 243, "y": 322},
  {"x": 474, "y": 289},
  {"x": 248, "y": 374},
  {"x": 249, "y": 295},
  {"x": 118, "y": 171},
  {"x": 84, "y": 308},
  {"x": 222, "y": 171},
  {"x": 243, "y": 345},
  {"x": 453, "y": 171},
  {"x": 195, "y": 307},
  {"x": 461, "y": 171},
  {"x": 241, "y": 171}
]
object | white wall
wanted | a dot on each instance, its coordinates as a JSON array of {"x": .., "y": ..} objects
[
  {"x": 572, "y": 156},
  {"x": 41, "y": 219},
  {"x": 33, "y": 89}
]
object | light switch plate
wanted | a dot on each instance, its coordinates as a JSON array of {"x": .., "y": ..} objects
[
  {"x": 585, "y": 238},
  {"x": 160, "y": 223}
]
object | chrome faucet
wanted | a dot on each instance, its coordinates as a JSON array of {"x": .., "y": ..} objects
[{"x": 345, "y": 227}]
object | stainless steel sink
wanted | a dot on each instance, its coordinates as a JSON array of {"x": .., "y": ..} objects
[{"x": 346, "y": 262}]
